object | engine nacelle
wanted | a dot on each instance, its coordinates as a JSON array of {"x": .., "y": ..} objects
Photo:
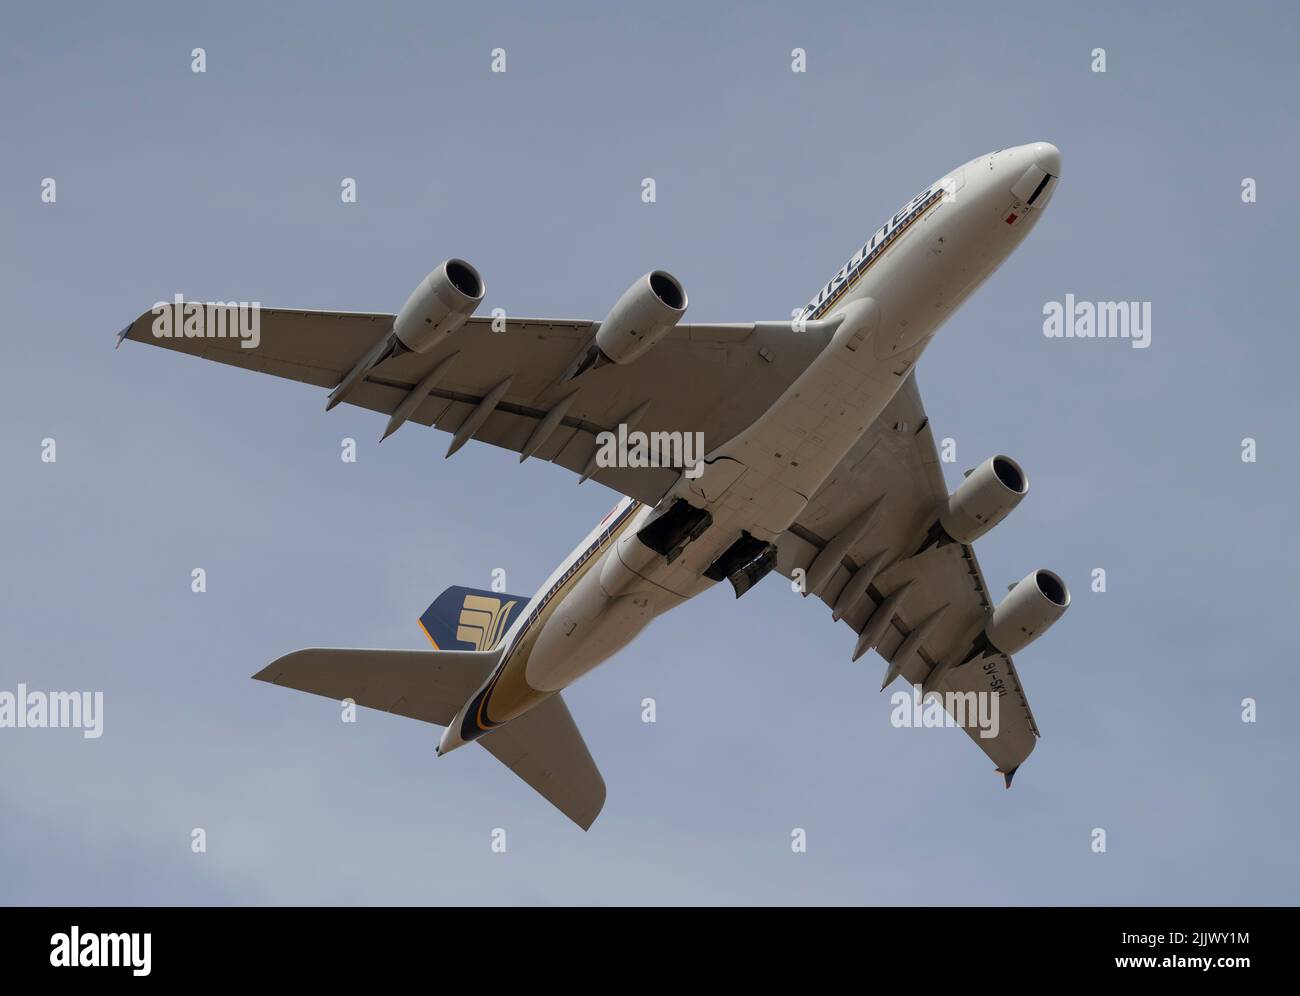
[
  {"x": 439, "y": 305},
  {"x": 984, "y": 499},
  {"x": 645, "y": 313},
  {"x": 1036, "y": 602}
]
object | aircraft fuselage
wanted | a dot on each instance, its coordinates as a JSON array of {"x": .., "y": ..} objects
[{"x": 878, "y": 315}]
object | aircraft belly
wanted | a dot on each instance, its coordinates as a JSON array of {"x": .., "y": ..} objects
[
  {"x": 760, "y": 481},
  {"x": 589, "y": 626},
  {"x": 798, "y": 442}
]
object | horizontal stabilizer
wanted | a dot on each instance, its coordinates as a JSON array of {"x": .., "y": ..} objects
[
  {"x": 543, "y": 746},
  {"x": 424, "y": 685},
  {"x": 545, "y": 749}
]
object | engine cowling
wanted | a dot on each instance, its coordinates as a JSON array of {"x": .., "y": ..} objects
[
  {"x": 1030, "y": 608},
  {"x": 439, "y": 305},
  {"x": 645, "y": 313},
  {"x": 984, "y": 499}
]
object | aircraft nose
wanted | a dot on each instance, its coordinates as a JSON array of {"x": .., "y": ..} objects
[
  {"x": 1047, "y": 157},
  {"x": 1031, "y": 171}
]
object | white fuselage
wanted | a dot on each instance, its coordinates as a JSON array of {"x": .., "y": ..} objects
[{"x": 888, "y": 299}]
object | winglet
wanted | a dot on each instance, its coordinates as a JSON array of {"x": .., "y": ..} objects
[
  {"x": 1008, "y": 775},
  {"x": 123, "y": 334}
]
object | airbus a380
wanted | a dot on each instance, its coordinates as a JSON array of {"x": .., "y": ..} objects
[{"x": 818, "y": 463}]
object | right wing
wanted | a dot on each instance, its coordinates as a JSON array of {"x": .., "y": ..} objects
[
  {"x": 712, "y": 379},
  {"x": 896, "y": 460}
]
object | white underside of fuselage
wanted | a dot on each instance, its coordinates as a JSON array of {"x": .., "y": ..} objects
[{"x": 889, "y": 301}]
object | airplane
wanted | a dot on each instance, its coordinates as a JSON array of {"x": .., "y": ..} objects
[{"x": 818, "y": 463}]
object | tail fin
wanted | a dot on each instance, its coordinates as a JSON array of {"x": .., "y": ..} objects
[{"x": 469, "y": 618}]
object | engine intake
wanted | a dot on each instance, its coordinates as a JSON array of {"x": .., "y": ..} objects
[
  {"x": 645, "y": 313},
  {"x": 1028, "y": 611},
  {"x": 984, "y": 499},
  {"x": 439, "y": 305}
]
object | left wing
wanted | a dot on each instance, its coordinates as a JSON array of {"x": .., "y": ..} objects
[
  {"x": 896, "y": 460},
  {"x": 711, "y": 379}
]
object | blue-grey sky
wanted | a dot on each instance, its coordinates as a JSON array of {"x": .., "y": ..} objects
[{"x": 225, "y": 185}]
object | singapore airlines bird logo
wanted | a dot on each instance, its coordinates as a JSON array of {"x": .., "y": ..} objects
[{"x": 483, "y": 620}]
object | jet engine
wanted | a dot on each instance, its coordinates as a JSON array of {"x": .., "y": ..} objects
[
  {"x": 1029, "y": 609},
  {"x": 984, "y": 499},
  {"x": 645, "y": 313},
  {"x": 440, "y": 305}
]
